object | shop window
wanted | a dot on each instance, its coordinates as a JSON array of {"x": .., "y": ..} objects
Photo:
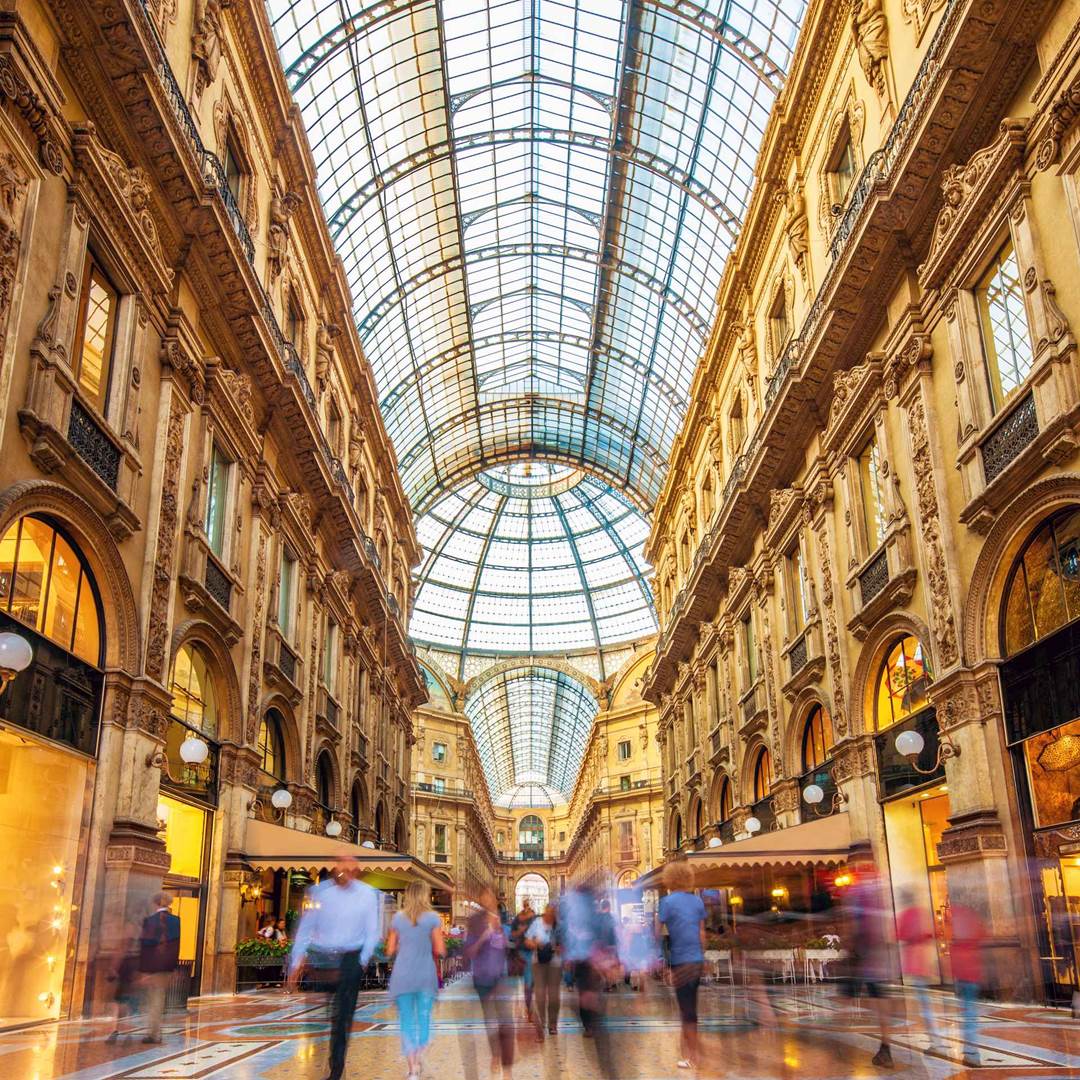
[
  {"x": 217, "y": 500},
  {"x": 192, "y": 688},
  {"x": 45, "y": 584},
  {"x": 1053, "y": 765},
  {"x": 1043, "y": 593},
  {"x": 438, "y": 752},
  {"x": 271, "y": 746},
  {"x": 902, "y": 683},
  {"x": 817, "y": 739},
  {"x": 762, "y": 775},
  {"x": 1006, "y": 336},
  {"x": 184, "y": 827},
  {"x": 98, "y": 304},
  {"x": 872, "y": 493},
  {"x": 798, "y": 590},
  {"x": 330, "y": 651},
  {"x": 286, "y": 593},
  {"x": 623, "y": 750}
]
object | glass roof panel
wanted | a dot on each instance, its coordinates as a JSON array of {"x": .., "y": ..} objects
[
  {"x": 531, "y": 725},
  {"x": 531, "y": 557},
  {"x": 533, "y": 203}
]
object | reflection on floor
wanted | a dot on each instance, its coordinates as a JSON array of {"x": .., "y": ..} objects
[{"x": 821, "y": 1036}]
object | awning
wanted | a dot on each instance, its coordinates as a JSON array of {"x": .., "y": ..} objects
[
  {"x": 273, "y": 847},
  {"x": 824, "y": 841}
]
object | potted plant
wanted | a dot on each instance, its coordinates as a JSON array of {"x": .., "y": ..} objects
[{"x": 259, "y": 961}]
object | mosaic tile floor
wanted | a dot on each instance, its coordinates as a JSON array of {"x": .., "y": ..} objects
[{"x": 818, "y": 1035}]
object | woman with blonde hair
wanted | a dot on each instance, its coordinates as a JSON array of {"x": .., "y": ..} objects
[
  {"x": 415, "y": 941},
  {"x": 683, "y": 913}
]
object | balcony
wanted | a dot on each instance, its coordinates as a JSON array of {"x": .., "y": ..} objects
[
  {"x": 753, "y": 709},
  {"x": 208, "y": 587},
  {"x": 282, "y": 666},
  {"x": 805, "y": 660},
  {"x": 327, "y": 713},
  {"x": 449, "y": 791},
  {"x": 884, "y": 581}
]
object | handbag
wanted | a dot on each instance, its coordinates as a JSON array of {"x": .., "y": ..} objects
[{"x": 545, "y": 953}]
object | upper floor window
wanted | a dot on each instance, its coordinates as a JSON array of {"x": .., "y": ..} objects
[
  {"x": 623, "y": 750},
  {"x": 842, "y": 169},
  {"x": 750, "y": 657},
  {"x": 440, "y": 839},
  {"x": 762, "y": 775},
  {"x": 333, "y": 428},
  {"x": 46, "y": 585},
  {"x": 707, "y": 504},
  {"x": 1006, "y": 336},
  {"x": 217, "y": 500},
  {"x": 438, "y": 784},
  {"x": 725, "y": 802},
  {"x": 624, "y": 783},
  {"x": 192, "y": 688},
  {"x": 691, "y": 725},
  {"x": 233, "y": 165},
  {"x": 286, "y": 592},
  {"x": 271, "y": 746},
  {"x": 872, "y": 493},
  {"x": 330, "y": 651},
  {"x": 294, "y": 322},
  {"x": 98, "y": 306},
  {"x": 902, "y": 684},
  {"x": 737, "y": 424},
  {"x": 817, "y": 739},
  {"x": 324, "y": 779},
  {"x": 798, "y": 589},
  {"x": 438, "y": 751},
  {"x": 779, "y": 322},
  {"x": 1043, "y": 593}
]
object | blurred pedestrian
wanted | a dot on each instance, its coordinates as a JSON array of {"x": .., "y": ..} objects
[
  {"x": 124, "y": 978},
  {"x": 589, "y": 944},
  {"x": 523, "y": 959},
  {"x": 607, "y": 935},
  {"x": 965, "y": 953},
  {"x": 870, "y": 955},
  {"x": 683, "y": 913},
  {"x": 416, "y": 942},
  {"x": 159, "y": 955},
  {"x": 486, "y": 948},
  {"x": 542, "y": 939},
  {"x": 915, "y": 936},
  {"x": 339, "y": 929}
]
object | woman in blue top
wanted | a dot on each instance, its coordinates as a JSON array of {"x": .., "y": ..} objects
[
  {"x": 415, "y": 941},
  {"x": 683, "y": 913}
]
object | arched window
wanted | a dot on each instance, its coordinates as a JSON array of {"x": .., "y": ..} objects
[
  {"x": 531, "y": 837},
  {"x": 678, "y": 831},
  {"x": 699, "y": 819},
  {"x": 380, "y": 822},
  {"x": 324, "y": 779},
  {"x": 271, "y": 745},
  {"x": 1043, "y": 593},
  {"x": 356, "y": 804},
  {"x": 817, "y": 739},
  {"x": 46, "y": 584},
  {"x": 902, "y": 682},
  {"x": 192, "y": 686},
  {"x": 725, "y": 802},
  {"x": 762, "y": 775}
]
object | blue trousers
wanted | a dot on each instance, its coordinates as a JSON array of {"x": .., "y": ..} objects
[
  {"x": 968, "y": 993},
  {"x": 414, "y": 1019}
]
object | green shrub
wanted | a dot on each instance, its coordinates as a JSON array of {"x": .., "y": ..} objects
[{"x": 258, "y": 948}]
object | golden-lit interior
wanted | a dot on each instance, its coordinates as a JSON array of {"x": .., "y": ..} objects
[
  {"x": 193, "y": 697},
  {"x": 902, "y": 683}
]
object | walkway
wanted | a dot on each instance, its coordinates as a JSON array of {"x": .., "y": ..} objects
[{"x": 272, "y": 1035}]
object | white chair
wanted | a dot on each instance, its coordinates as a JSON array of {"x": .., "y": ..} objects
[{"x": 719, "y": 961}]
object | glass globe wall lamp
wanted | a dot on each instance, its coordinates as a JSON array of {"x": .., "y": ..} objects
[
  {"x": 814, "y": 795},
  {"x": 910, "y": 744},
  {"x": 16, "y": 655}
]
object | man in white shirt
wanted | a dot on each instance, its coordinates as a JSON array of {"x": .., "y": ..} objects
[{"x": 341, "y": 925}]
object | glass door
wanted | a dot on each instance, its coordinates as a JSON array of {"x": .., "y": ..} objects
[{"x": 1060, "y": 880}]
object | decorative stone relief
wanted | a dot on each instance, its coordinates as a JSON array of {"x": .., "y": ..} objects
[
  {"x": 325, "y": 337},
  {"x": 871, "y": 30},
  {"x": 277, "y": 239},
  {"x": 12, "y": 189},
  {"x": 1063, "y": 114},
  {"x": 797, "y": 229},
  {"x": 940, "y": 603},
  {"x": 13, "y": 85},
  {"x": 157, "y": 635},
  {"x": 918, "y": 12},
  {"x": 238, "y": 385},
  {"x": 832, "y": 638},
  {"x": 255, "y": 671},
  {"x": 206, "y": 42},
  {"x": 845, "y": 385}
]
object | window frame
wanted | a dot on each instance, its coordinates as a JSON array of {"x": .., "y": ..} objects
[
  {"x": 287, "y": 592},
  {"x": 445, "y": 752},
  {"x": 619, "y": 755},
  {"x": 873, "y": 509},
  {"x": 762, "y": 775},
  {"x": 820, "y": 714},
  {"x": 329, "y": 672},
  {"x": 216, "y": 451},
  {"x": 94, "y": 268}
]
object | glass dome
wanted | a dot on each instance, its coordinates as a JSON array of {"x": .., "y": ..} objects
[
  {"x": 532, "y": 558},
  {"x": 531, "y": 725}
]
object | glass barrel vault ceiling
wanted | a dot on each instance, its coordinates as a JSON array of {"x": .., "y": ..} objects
[
  {"x": 532, "y": 558},
  {"x": 531, "y": 725},
  {"x": 533, "y": 200}
]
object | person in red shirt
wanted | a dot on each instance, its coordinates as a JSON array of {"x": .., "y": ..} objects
[
  {"x": 967, "y": 938},
  {"x": 915, "y": 936}
]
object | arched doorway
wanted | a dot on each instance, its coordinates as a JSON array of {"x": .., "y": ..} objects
[
  {"x": 535, "y": 888},
  {"x": 1039, "y": 632}
]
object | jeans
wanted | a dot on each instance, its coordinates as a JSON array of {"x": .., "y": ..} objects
[
  {"x": 548, "y": 988},
  {"x": 414, "y": 1018},
  {"x": 342, "y": 1007},
  {"x": 968, "y": 993},
  {"x": 922, "y": 996}
]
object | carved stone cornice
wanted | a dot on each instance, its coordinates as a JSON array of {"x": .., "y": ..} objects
[
  {"x": 785, "y": 507},
  {"x": 853, "y": 390},
  {"x": 967, "y": 192},
  {"x": 853, "y": 758},
  {"x": 28, "y": 83}
]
